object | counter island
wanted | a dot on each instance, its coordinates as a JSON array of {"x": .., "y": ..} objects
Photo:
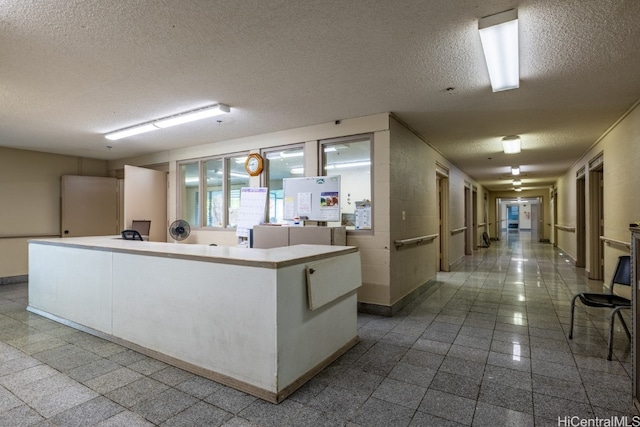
[{"x": 263, "y": 321}]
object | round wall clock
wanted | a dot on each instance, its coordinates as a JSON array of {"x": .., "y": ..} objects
[{"x": 254, "y": 164}]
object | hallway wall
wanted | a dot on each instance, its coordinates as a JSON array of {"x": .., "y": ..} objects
[
  {"x": 619, "y": 147},
  {"x": 30, "y": 195}
]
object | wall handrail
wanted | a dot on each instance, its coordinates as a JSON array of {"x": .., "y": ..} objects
[
  {"x": 417, "y": 240},
  {"x": 566, "y": 228},
  {"x": 482, "y": 224},
  {"x": 28, "y": 236},
  {"x": 458, "y": 230},
  {"x": 615, "y": 242}
]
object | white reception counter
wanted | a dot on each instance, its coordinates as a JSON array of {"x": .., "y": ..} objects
[{"x": 263, "y": 321}]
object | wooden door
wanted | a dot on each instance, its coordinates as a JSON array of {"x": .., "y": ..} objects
[{"x": 89, "y": 206}]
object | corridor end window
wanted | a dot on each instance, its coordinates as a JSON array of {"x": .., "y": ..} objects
[
  {"x": 351, "y": 158},
  {"x": 287, "y": 162}
]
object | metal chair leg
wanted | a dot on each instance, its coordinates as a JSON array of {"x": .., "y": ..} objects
[
  {"x": 624, "y": 323},
  {"x": 573, "y": 308},
  {"x": 611, "y": 325},
  {"x": 611, "y": 321}
]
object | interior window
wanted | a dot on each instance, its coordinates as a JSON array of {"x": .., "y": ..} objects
[
  {"x": 214, "y": 199},
  {"x": 286, "y": 162},
  {"x": 237, "y": 178},
  {"x": 190, "y": 203},
  {"x": 351, "y": 159}
]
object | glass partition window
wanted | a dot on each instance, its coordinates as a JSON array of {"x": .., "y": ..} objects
[
  {"x": 210, "y": 191},
  {"x": 214, "y": 200},
  {"x": 190, "y": 194},
  {"x": 284, "y": 163},
  {"x": 238, "y": 178},
  {"x": 351, "y": 159}
]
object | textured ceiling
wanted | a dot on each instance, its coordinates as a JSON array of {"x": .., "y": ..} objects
[{"x": 72, "y": 70}]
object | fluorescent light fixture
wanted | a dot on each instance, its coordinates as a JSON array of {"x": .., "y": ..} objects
[
  {"x": 190, "y": 116},
  {"x": 511, "y": 144},
  {"x": 515, "y": 170},
  {"x": 499, "y": 37},
  {"x": 133, "y": 130},
  {"x": 517, "y": 189},
  {"x": 297, "y": 171},
  {"x": 165, "y": 122}
]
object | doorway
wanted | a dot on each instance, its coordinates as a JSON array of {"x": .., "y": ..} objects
[
  {"x": 596, "y": 226},
  {"x": 581, "y": 232},
  {"x": 442, "y": 184},
  {"x": 468, "y": 242}
]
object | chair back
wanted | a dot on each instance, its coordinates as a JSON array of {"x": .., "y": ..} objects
[
  {"x": 622, "y": 275},
  {"x": 142, "y": 226}
]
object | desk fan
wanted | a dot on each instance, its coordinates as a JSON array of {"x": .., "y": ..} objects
[{"x": 179, "y": 230}]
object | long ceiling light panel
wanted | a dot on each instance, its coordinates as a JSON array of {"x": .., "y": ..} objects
[
  {"x": 165, "y": 122},
  {"x": 499, "y": 36}
]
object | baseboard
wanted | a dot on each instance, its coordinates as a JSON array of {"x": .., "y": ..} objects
[
  {"x": 12, "y": 280},
  {"x": 269, "y": 396},
  {"x": 391, "y": 310}
]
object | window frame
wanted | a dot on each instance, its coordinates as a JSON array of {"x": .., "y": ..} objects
[
  {"x": 265, "y": 178},
  {"x": 323, "y": 172},
  {"x": 226, "y": 189}
]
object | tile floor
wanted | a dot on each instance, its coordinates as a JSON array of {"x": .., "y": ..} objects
[{"x": 485, "y": 346}]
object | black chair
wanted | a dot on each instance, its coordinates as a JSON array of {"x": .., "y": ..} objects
[
  {"x": 131, "y": 235},
  {"x": 622, "y": 276},
  {"x": 142, "y": 226}
]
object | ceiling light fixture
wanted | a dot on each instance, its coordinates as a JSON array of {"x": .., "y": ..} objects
[
  {"x": 515, "y": 170},
  {"x": 517, "y": 189},
  {"x": 511, "y": 144},
  {"x": 517, "y": 182},
  {"x": 499, "y": 37},
  {"x": 165, "y": 122}
]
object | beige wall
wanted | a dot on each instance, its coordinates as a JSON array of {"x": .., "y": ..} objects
[
  {"x": 30, "y": 194},
  {"x": 412, "y": 191},
  {"x": 619, "y": 147}
]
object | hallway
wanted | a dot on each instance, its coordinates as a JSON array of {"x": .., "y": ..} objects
[{"x": 485, "y": 346}]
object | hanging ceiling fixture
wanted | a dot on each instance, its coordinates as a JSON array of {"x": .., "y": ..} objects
[
  {"x": 515, "y": 170},
  {"x": 165, "y": 122},
  {"x": 511, "y": 144},
  {"x": 499, "y": 37}
]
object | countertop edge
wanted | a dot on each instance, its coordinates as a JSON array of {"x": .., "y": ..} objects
[{"x": 338, "y": 250}]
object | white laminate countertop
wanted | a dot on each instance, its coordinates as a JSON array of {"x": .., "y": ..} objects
[{"x": 267, "y": 258}]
